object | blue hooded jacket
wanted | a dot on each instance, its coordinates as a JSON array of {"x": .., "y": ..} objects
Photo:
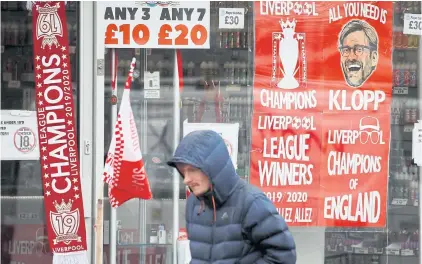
[{"x": 233, "y": 222}]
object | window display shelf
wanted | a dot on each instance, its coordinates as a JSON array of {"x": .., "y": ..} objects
[
  {"x": 406, "y": 209},
  {"x": 386, "y": 252}
]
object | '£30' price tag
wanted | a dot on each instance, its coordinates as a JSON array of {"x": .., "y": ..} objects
[
  {"x": 231, "y": 18},
  {"x": 412, "y": 24},
  {"x": 129, "y": 35}
]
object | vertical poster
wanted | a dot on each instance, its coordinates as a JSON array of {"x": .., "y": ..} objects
[
  {"x": 288, "y": 91},
  {"x": 356, "y": 119},
  {"x": 321, "y": 123}
]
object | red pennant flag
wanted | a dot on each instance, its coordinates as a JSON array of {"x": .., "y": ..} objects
[{"x": 124, "y": 170}]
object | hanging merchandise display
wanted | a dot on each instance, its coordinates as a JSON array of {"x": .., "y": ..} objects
[
  {"x": 57, "y": 134},
  {"x": 124, "y": 169},
  {"x": 321, "y": 135}
]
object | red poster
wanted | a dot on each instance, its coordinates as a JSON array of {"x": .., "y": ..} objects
[
  {"x": 354, "y": 170},
  {"x": 356, "y": 120},
  {"x": 288, "y": 57},
  {"x": 330, "y": 61},
  {"x": 285, "y": 163},
  {"x": 357, "y": 57}
]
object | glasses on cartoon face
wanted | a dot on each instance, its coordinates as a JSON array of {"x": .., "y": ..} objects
[
  {"x": 374, "y": 135},
  {"x": 357, "y": 50}
]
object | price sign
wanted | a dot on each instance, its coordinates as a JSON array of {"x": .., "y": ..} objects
[
  {"x": 231, "y": 18},
  {"x": 144, "y": 24},
  {"x": 18, "y": 135},
  {"x": 412, "y": 24},
  {"x": 408, "y": 128},
  {"x": 398, "y": 201},
  {"x": 348, "y": 249},
  {"x": 361, "y": 250},
  {"x": 407, "y": 252},
  {"x": 400, "y": 90},
  {"x": 14, "y": 84},
  {"x": 393, "y": 251}
]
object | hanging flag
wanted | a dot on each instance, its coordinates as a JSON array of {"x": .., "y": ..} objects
[
  {"x": 57, "y": 135},
  {"x": 124, "y": 169}
]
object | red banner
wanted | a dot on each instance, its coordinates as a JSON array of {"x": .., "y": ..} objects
[
  {"x": 322, "y": 92},
  {"x": 285, "y": 163},
  {"x": 57, "y": 129}
]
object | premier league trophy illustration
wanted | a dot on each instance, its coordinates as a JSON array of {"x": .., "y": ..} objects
[{"x": 288, "y": 52}]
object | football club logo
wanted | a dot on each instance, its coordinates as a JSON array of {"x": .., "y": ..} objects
[
  {"x": 65, "y": 222},
  {"x": 49, "y": 25}
]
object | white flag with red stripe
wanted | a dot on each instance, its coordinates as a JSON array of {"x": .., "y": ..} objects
[{"x": 124, "y": 169}]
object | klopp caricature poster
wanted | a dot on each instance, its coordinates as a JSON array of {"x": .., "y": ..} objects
[
  {"x": 356, "y": 122},
  {"x": 321, "y": 124}
]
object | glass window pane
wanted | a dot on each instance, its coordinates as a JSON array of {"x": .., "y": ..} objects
[{"x": 154, "y": 117}]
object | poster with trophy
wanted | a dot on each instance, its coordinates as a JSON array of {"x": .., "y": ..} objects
[
  {"x": 321, "y": 123},
  {"x": 288, "y": 73},
  {"x": 286, "y": 126}
]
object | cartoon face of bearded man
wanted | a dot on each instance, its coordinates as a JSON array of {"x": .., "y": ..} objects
[{"x": 358, "y": 46}]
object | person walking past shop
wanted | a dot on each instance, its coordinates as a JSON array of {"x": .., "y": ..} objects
[{"x": 227, "y": 220}]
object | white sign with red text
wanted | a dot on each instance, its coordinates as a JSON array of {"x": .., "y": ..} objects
[{"x": 19, "y": 137}]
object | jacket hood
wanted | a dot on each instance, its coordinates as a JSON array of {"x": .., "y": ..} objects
[{"x": 206, "y": 150}]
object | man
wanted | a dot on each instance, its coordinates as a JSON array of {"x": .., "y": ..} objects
[
  {"x": 358, "y": 46},
  {"x": 228, "y": 220}
]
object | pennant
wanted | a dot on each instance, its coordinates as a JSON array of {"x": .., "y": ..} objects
[
  {"x": 57, "y": 134},
  {"x": 124, "y": 169}
]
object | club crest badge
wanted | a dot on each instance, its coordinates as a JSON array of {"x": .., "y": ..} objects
[
  {"x": 65, "y": 222},
  {"x": 49, "y": 25}
]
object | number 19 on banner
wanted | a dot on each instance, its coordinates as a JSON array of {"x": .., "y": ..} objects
[{"x": 180, "y": 35}]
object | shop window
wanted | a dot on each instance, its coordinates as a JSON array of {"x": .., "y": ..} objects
[{"x": 217, "y": 89}]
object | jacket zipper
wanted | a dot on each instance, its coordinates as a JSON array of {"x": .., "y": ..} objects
[{"x": 212, "y": 246}]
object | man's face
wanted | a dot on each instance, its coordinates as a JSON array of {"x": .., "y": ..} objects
[
  {"x": 357, "y": 60},
  {"x": 194, "y": 178}
]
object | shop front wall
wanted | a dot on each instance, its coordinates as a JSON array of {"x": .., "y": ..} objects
[{"x": 317, "y": 102}]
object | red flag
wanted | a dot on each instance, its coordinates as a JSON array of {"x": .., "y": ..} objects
[{"x": 124, "y": 170}]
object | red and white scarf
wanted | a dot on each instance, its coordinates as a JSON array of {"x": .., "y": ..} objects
[
  {"x": 124, "y": 169},
  {"x": 57, "y": 134}
]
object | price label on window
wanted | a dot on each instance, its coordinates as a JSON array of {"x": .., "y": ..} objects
[
  {"x": 155, "y": 24},
  {"x": 400, "y": 90},
  {"x": 412, "y": 24},
  {"x": 231, "y": 18},
  {"x": 398, "y": 201}
]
